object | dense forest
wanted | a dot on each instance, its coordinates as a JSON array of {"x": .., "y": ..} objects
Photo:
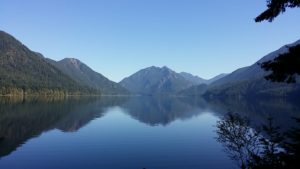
[{"x": 24, "y": 72}]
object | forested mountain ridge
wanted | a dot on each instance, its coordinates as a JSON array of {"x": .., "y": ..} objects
[
  {"x": 194, "y": 79},
  {"x": 251, "y": 80},
  {"x": 23, "y": 71},
  {"x": 162, "y": 81},
  {"x": 156, "y": 81},
  {"x": 201, "y": 88},
  {"x": 85, "y": 76}
]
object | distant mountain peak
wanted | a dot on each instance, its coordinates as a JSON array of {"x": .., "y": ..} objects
[
  {"x": 84, "y": 75},
  {"x": 29, "y": 72},
  {"x": 156, "y": 80},
  {"x": 73, "y": 61},
  {"x": 157, "y": 68},
  {"x": 165, "y": 67},
  {"x": 189, "y": 74}
]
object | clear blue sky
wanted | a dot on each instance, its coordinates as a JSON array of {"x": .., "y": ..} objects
[{"x": 119, "y": 37}]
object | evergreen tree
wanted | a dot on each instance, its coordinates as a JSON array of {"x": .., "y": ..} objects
[
  {"x": 286, "y": 66},
  {"x": 276, "y": 7}
]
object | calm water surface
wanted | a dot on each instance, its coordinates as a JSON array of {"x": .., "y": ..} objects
[{"x": 123, "y": 133}]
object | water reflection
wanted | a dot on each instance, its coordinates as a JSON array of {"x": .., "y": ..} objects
[
  {"x": 163, "y": 110},
  {"x": 24, "y": 118},
  {"x": 264, "y": 147},
  {"x": 259, "y": 110}
]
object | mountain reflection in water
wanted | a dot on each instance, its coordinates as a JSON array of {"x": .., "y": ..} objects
[{"x": 24, "y": 118}]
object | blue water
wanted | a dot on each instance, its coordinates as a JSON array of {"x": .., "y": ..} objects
[{"x": 103, "y": 133}]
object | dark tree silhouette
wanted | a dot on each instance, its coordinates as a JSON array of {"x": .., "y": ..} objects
[
  {"x": 266, "y": 148},
  {"x": 239, "y": 140},
  {"x": 292, "y": 146},
  {"x": 271, "y": 143},
  {"x": 285, "y": 67},
  {"x": 276, "y": 7}
]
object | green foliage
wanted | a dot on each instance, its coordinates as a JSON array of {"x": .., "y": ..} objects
[
  {"x": 23, "y": 72},
  {"x": 85, "y": 76}
]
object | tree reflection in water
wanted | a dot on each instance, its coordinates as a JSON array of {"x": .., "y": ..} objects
[{"x": 262, "y": 148}]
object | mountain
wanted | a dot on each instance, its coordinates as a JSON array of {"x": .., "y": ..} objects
[
  {"x": 198, "y": 80},
  {"x": 194, "y": 90},
  {"x": 24, "y": 71},
  {"x": 194, "y": 79},
  {"x": 155, "y": 80},
  {"x": 201, "y": 87},
  {"x": 209, "y": 81},
  {"x": 254, "y": 71},
  {"x": 250, "y": 80},
  {"x": 85, "y": 76}
]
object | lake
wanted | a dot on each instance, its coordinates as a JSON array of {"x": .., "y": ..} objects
[{"x": 127, "y": 132}]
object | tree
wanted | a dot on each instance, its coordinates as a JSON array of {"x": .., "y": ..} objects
[
  {"x": 262, "y": 147},
  {"x": 286, "y": 66},
  {"x": 239, "y": 139},
  {"x": 276, "y": 7}
]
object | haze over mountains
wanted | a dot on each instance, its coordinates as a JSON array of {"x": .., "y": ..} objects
[{"x": 23, "y": 71}]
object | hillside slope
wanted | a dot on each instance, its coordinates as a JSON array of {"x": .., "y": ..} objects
[
  {"x": 155, "y": 80},
  {"x": 85, "y": 76},
  {"x": 250, "y": 80},
  {"x": 24, "y": 71}
]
